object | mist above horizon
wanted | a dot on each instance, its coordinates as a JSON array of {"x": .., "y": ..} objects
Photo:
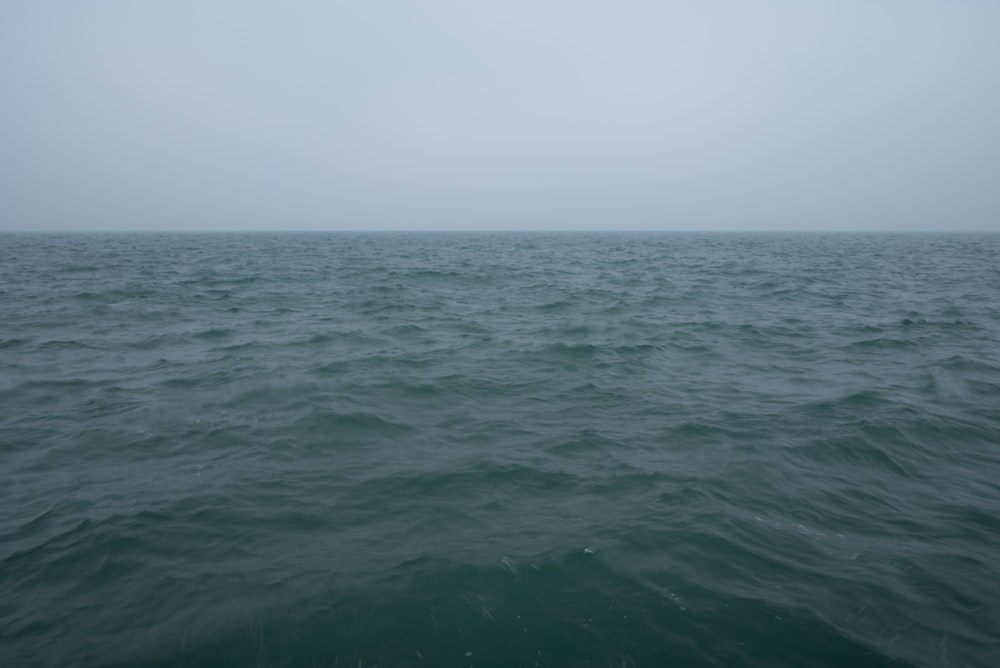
[{"x": 514, "y": 115}]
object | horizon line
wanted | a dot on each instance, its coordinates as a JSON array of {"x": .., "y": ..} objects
[{"x": 501, "y": 231}]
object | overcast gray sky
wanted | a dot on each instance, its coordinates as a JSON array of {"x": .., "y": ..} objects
[{"x": 881, "y": 115}]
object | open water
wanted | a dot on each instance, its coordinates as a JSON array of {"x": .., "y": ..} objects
[{"x": 499, "y": 450}]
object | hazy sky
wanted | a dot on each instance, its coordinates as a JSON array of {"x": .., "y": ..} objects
[{"x": 546, "y": 114}]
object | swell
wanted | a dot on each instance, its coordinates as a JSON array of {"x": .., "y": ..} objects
[{"x": 406, "y": 450}]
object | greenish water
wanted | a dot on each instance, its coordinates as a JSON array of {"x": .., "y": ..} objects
[{"x": 499, "y": 450}]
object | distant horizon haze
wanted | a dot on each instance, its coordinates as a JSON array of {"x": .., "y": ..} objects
[
  {"x": 444, "y": 116},
  {"x": 603, "y": 232}
]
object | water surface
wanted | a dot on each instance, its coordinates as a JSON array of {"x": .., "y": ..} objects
[{"x": 499, "y": 450}]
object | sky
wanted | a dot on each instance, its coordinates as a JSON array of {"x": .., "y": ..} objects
[{"x": 493, "y": 115}]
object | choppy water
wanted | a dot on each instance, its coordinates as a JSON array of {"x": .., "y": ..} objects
[{"x": 499, "y": 450}]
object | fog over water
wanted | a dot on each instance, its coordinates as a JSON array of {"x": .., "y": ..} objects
[{"x": 501, "y": 115}]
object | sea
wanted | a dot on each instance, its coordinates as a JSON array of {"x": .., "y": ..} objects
[{"x": 500, "y": 449}]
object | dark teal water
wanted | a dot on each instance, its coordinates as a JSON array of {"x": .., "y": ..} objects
[{"x": 499, "y": 450}]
